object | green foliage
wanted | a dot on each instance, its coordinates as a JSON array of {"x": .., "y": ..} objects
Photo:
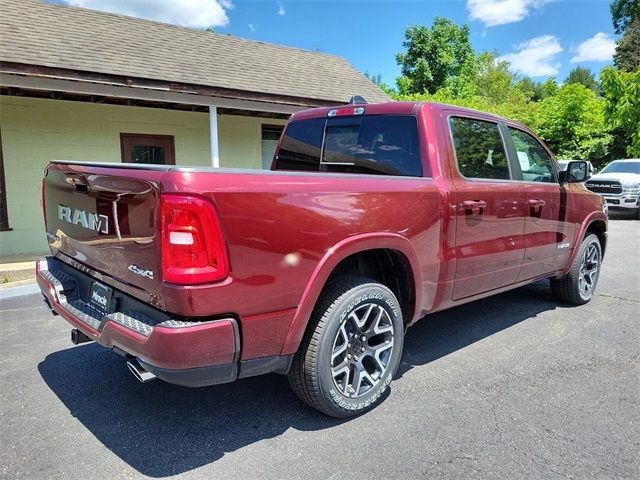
[
  {"x": 537, "y": 90},
  {"x": 528, "y": 87},
  {"x": 377, "y": 79},
  {"x": 627, "y": 56},
  {"x": 440, "y": 65},
  {"x": 374, "y": 77},
  {"x": 583, "y": 76},
  {"x": 518, "y": 107},
  {"x": 436, "y": 57},
  {"x": 490, "y": 87},
  {"x": 549, "y": 88},
  {"x": 622, "y": 105},
  {"x": 623, "y": 12},
  {"x": 573, "y": 124},
  {"x": 493, "y": 80}
]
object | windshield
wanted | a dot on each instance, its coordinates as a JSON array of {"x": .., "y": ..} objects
[{"x": 622, "y": 167}]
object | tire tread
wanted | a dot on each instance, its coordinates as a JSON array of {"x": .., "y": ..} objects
[
  {"x": 303, "y": 375},
  {"x": 565, "y": 289}
]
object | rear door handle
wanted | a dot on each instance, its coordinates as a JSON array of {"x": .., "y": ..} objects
[
  {"x": 536, "y": 202},
  {"x": 474, "y": 204}
]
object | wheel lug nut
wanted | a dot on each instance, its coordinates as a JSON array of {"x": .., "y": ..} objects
[
  {"x": 348, "y": 345},
  {"x": 355, "y": 358},
  {"x": 363, "y": 338},
  {"x": 362, "y": 349},
  {"x": 349, "y": 356}
]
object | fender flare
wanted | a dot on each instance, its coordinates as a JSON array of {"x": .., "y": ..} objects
[
  {"x": 592, "y": 217},
  {"x": 324, "y": 268}
]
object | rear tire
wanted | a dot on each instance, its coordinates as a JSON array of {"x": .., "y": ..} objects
[
  {"x": 351, "y": 349},
  {"x": 578, "y": 286}
]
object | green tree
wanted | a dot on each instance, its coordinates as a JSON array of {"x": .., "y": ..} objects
[
  {"x": 627, "y": 56},
  {"x": 377, "y": 79},
  {"x": 374, "y": 77},
  {"x": 549, "y": 88},
  {"x": 537, "y": 90},
  {"x": 572, "y": 122},
  {"x": 623, "y": 12},
  {"x": 436, "y": 57},
  {"x": 527, "y": 86},
  {"x": 622, "y": 105},
  {"x": 493, "y": 80},
  {"x": 584, "y": 76}
]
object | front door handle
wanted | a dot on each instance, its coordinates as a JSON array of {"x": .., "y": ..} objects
[
  {"x": 474, "y": 204},
  {"x": 536, "y": 202}
]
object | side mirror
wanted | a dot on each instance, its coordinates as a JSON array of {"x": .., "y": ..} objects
[{"x": 576, "y": 172}]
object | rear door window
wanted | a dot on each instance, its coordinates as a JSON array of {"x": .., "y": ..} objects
[
  {"x": 375, "y": 144},
  {"x": 480, "y": 152}
]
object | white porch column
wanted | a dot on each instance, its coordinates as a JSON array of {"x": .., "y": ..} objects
[{"x": 213, "y": 130}]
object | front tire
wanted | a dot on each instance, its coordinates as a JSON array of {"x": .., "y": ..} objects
[
  {"x": 578, "y": 286},
  {"x": 351, "y": 349}
]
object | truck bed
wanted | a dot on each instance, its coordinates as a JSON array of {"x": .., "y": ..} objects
[{"x": 278, "y": 228}]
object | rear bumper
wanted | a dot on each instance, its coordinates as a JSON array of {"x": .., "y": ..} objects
[{"x": 184, "y": 352}]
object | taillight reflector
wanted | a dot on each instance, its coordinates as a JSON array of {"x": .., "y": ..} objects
[
  {"x": 193, "y": 250},
  {"x": 42, "y": 202}
]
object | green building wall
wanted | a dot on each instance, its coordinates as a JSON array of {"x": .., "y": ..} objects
[{"x": 35, "y": 131}]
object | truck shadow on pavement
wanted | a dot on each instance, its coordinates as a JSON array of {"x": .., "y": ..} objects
[
  {"x": 445, "y": 332},
  {"x": 162, "y": 430}
]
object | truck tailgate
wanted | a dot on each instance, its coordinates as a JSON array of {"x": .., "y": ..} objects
[{"x": 106, "y": 220}]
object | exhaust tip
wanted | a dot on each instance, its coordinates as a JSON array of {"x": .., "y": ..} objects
[
  {"x": 77, "y": 337},
  {"x": 140, "y": 373}
]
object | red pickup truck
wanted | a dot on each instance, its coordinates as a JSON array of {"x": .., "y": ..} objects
[{"x": 372, "y": 216}]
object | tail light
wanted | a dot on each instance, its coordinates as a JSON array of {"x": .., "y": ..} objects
[
  {"x": 42, "y": 201},
  {"x": 193, "y": 250}
]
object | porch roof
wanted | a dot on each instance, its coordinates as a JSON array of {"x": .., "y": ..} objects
[{"x": 70, "y": 43}]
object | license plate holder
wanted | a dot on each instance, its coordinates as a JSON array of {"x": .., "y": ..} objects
[{"x": 100, "y": 297}]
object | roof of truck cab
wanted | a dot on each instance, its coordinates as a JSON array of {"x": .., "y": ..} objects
[{"x": 401, "y": 108}]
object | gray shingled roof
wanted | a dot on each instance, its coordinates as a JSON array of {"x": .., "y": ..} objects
[{"x": 36, "y": 33}]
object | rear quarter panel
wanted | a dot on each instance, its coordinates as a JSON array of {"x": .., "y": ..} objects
[
  {"x": 278, "y": 227},
  {"x": 286, "y": 232}
]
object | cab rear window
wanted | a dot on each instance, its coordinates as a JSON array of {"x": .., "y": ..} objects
[{"x": 374, "y": 144}]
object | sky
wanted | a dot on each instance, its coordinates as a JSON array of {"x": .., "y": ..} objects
[{"x": 540, "y": 38}]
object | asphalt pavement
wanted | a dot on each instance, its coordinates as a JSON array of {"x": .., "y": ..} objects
[{"x": 513, "y": 386}]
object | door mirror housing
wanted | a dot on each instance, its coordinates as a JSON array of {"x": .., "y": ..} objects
[{"x": 576, "y": 172}]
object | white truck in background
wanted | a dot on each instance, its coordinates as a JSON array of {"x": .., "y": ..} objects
[{"x": 619, "y": 184}]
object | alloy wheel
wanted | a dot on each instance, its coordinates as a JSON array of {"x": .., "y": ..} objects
[
  {"x": 362, "y": 350},
  {"x": 588, "y": 272}
]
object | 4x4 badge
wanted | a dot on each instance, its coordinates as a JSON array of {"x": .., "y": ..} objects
[{"x": 141, "y": 271}]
